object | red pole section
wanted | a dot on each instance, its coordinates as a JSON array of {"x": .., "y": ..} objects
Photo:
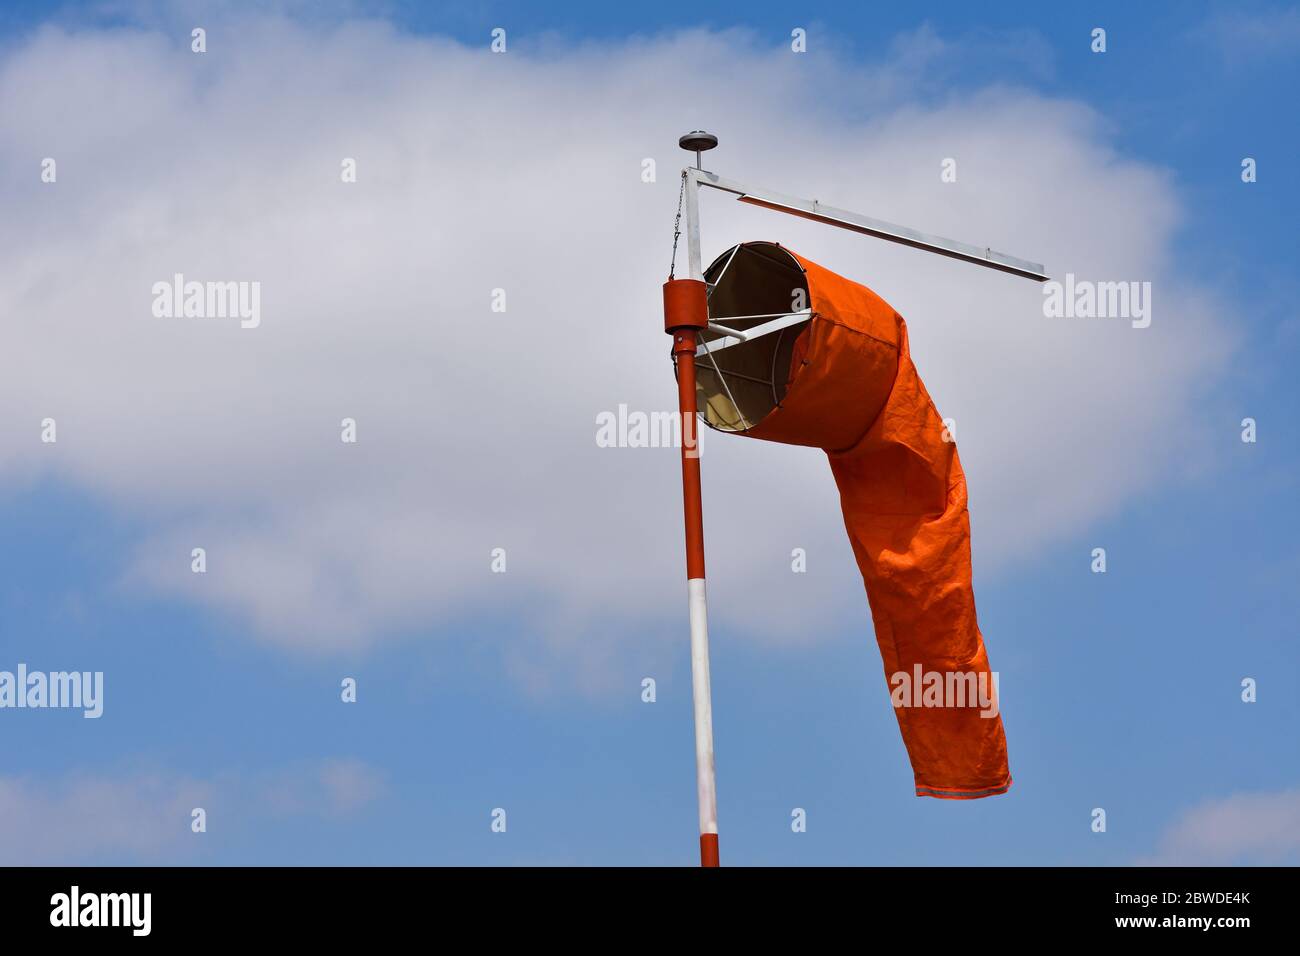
[
  {"x": 692, "y": 502},
  {"x": 686, "y": 312}
]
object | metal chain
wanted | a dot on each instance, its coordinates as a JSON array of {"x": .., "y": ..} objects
[{"x": 677, "y": 226}]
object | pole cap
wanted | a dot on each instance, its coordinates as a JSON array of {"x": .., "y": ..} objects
[{"x": 697, "y": 141}]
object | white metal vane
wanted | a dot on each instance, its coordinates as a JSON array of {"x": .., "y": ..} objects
[
  {"x": 820, "y": 212},
  {"x": 699, "y": 141}
]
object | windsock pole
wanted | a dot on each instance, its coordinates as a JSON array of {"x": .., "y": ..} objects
[{"x": 686, "y": 312}]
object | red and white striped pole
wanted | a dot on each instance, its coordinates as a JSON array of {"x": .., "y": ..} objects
[{"x": 686, "y": 312}]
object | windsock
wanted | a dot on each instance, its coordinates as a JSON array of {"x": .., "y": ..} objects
[{"x": 826, "y": 364}]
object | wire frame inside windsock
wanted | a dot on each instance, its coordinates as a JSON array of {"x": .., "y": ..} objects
[{"x": 758, "y": 290}]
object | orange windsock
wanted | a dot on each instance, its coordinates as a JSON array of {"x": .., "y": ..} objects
[{"x": 842, "y": 379}]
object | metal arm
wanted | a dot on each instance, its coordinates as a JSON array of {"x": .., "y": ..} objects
[
  {"x": 732, "y": 337},
  {"x": 854, "y": 222}
]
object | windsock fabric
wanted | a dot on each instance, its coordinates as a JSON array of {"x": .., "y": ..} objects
[{"x": 852, "y": 390}]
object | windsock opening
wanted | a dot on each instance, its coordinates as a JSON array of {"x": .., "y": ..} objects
[{"x": 760, "y": 289}]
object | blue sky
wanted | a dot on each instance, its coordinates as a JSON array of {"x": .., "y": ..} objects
[{"x": 1119, "y": 690}]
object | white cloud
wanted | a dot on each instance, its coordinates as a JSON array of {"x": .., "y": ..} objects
[
  {"x": 145, "y": 816},
  {"x": 85, "y": 817},
  {"x": 477, "y": 429},
  {"x": 333, "y": 787},
  {"x": 1246, "y": 828},
  {"x": 1247, "y": 37}
]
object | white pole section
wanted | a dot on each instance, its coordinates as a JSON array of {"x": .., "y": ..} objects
[
  {"x": 705, "y": 779},
  {"x": 693, "y": 225}
]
